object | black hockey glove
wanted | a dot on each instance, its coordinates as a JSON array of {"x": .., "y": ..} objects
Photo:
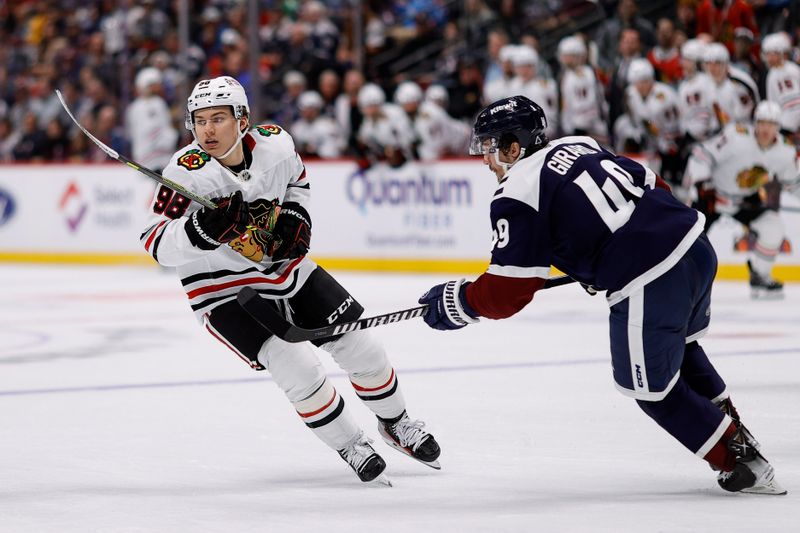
[
  {"x": 292, "y": 233},
  {"x": 209, "y": 228}
]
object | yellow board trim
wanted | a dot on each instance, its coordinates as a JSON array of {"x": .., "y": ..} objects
[{"x": 357, "y": 264}]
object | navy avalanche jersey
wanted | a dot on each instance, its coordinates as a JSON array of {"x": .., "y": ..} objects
[{"x": 594, "y": 215}]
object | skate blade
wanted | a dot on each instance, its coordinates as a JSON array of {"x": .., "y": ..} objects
[
  {"x": 433, "y": 464},
  {"x": 772, "y": 487},
  {"x": 381, "y": 480},
  {"x": 760, "y": 294}
]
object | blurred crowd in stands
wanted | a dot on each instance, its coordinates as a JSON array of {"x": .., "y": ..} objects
[{"x": 425, "y": 67}]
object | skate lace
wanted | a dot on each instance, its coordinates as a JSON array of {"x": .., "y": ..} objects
[
  {"x": 410, "y": 433},
  {"x": 358, "y": 452}
]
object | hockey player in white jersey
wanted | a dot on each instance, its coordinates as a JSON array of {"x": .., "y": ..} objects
[
  {"x": 148, "y": 122},
  {"x": 582, "y": 102},
  {"x": 429, "y": 121},
  {"x": 257, "y": 180},
  {"x": 743, "y": 170},
  {"x": 504, "y": 85},
  {"x": 655, "y": 105},
  {"x": 529, "y": 83},
  {"x": 696, "y": 95},
  {"x": 735, "y": 92},
  {"x": 316, "y": 134},
  {"x": 783, "y": 81},
  {"x": 386, "y": 133}
]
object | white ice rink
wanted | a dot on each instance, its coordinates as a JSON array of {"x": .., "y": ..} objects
[{"x": 119, "y": 414}]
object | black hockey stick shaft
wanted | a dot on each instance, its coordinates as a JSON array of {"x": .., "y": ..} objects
[{"x": 266, "y": 314}]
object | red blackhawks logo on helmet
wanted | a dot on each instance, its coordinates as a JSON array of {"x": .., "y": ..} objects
[{"x": 193, "y": 159}]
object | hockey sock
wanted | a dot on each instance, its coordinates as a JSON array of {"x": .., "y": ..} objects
[
  {"x": 693, "y": 420},
  {"x": 325, "y": 413},
  {"x": 371, "y": 375},
  {"x": 762, "y": 263},
  {"x": 700, "y": 374}
]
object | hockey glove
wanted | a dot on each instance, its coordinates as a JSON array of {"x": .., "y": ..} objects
[
  {"x": 207, "y": 229},
  {"x": 448, "y": 307},
  {"x": 292, "y": 233}
]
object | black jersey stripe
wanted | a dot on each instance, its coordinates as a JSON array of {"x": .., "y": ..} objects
[
  {"x": 269, "y": 292},
  {"x": 379, "y": 396},
  {"x": 330, "y": 418}
]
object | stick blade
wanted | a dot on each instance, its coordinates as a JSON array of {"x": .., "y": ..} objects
[{"x": 263, "y": 312}]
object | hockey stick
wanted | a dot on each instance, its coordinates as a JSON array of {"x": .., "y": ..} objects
[
  {"x": 202, "y": 200},
  {"x": 268, "y": 316},
  {"x": 177, "y": 187}
]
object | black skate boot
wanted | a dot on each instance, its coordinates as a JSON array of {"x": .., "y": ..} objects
[
  {"x": 764, "y": 288},
  {"x": 409, "y": 437},
  {"x": 364, "y": 461},
  {"x": 752, "y": 473}
]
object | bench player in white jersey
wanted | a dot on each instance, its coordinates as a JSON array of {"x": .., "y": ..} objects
[
  {"x": 783, "y": 81},
  {"x": 743, "y": 170},
  {"x": 612, "y": 224},
  {"x": 581, "y": 96},
  {"x": 430, "y": 122},
  {"x": 316, "y": 134},
  {"x": 257, "y": 180},
  {"x": 386, "y": 133},
  {"x": 735, "y": 92},
  {"x": 696, "y": 96},
  {"x": 655, "y": 105},
  {"x": 530, "y": 83},
  {"x": 502, "y": 86}
]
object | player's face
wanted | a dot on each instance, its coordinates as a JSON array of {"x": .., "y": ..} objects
[
  {"x": 766, "y": 133},
  {"x": 773, "y": 58},
  {"x": 490, "y": 159},
  {"x": 216, "y": 129},
  {"x": 717, "y": 69}
]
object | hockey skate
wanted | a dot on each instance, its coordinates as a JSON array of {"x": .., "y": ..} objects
[
  {"x": 752, "y": 473},
  {"x": 409, "y": 437},
  {"x": 364, "y": 461},
  {"x": 764, "y": 288}
]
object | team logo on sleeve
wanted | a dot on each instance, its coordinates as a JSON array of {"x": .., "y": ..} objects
[
  {"x": 193, "y": 159},
  {"x": 268, "y": 129},
  {"x": 252, "y": 245}
]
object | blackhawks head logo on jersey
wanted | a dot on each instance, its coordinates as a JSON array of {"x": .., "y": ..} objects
[
  {"x": 752, "y": 178},
  {"x": 251, "y": 245},
  {"x": 193, "y": 159}
]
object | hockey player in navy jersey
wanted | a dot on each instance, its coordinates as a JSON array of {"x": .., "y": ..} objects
[
  {"x": 258, "y": 181},
  {"x": 611, "y": 224}
]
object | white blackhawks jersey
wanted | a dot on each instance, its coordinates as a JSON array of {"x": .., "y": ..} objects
[
  {"x": 658, "y": 113},
  {"x": 148, "y": 123},
  {"x": 498, "y": 89},
  {"x": 214, "y": 277},
  {"x": 736, "y": 97},
  {"x": 698, "y": 118},
  {"x": 581, "y": 102},
  {"x": 544, "y": 92},
  {"x": 783, "y": 87},
  {"x": 391, "y": 127},
  {"x": 431, "y": 127},
  {"x": 323, "y": 136},
  {"x": 737, "y": 166}
]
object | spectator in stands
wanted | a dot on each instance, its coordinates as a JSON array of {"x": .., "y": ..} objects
[
  {"x": 719, "y": 18},
  {"x": 495, "y": 41},
  {"x": 329, "y": 87},
  {"x": 107, "y": 129},
  {"x": 348, "y": 114},
  {"x": 686, "y": 14},
  {"x": 31, "y": 143},
  {"x": 773, "y": 16},
  {"x": 475, "y": 21},
  {"x": 742, "y": 56},
  {"x": 294, "y": 83},
  {"x": 56, "y": 143},
  {"x": 323, "y": 33},
  {"x": 9, "y": 137},
  {"x": 665, "y": 57},
  {"x": 629, "y": 48},
  {"x": 465, "y": 96},
  {"x": 609, "y": 35}
]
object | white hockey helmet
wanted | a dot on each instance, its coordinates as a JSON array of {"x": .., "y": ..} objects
[
  {"x": 220, "y": 91},
  {"x": 146, "y": 77},
  {"x": 525, "y": 55},
  {"x": 408, "y": 92},
  {"x": 571, "y": 45},
  {"x": 716, "y": 52},
  {"x": 310, "y": 99},
  {"x": 776, "y": 42},
  {"x": 437, "y": 94},
  {"x": 768, "y": 111},
  {"x": 507, "y": 53},
  {"x": 693, "y": 50},
  {"x": 640, "y": 70},
  {"x": 371, "y": 94}
]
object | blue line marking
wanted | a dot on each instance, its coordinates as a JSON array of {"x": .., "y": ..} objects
[{"x": 430, "y": 370}]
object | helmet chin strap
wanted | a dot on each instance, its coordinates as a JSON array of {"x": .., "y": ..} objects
[
  {"x": 234, "y": 145},
  {"x": 507, "y": 166}
]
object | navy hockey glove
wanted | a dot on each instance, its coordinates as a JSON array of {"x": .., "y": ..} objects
[
  {"x": 292, "y": 233},
  {"x": 448, "y": 307},
  {"x": 208, "y": 229}
]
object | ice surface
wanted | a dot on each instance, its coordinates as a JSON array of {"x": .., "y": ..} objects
[{"x": 119, "y": 413}]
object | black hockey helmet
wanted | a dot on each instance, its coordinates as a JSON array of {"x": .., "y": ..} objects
[{"x": 513, "y": 119}]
